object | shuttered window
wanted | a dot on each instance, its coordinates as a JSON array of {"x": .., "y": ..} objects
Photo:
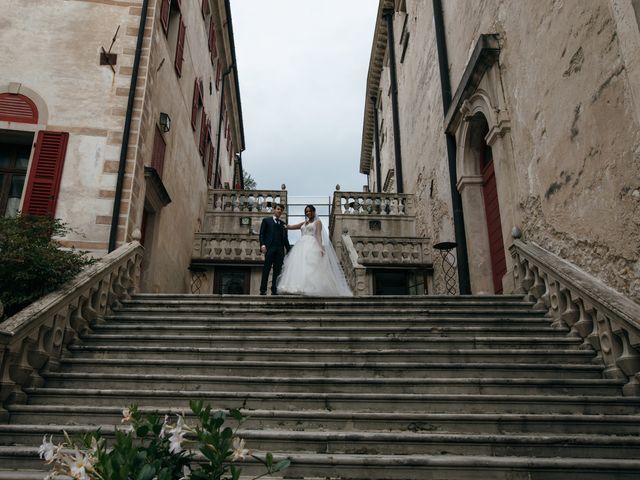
[
  {"x": 203, "y": 133},
  {"x": 196, "y": 102},
  {"x": 205, "y": 8},
  {"x": 44, "y": 179},
  {"x": 165, "y": 9},
  {"x": 211, "y": 160},
  {"x": 180, "y": 47},
  {"x": 159, "y": 148},
  {"x": 218, "y": 75},
  {"x": 212, "y": 40},
  {"x": 17, "y": 108}
]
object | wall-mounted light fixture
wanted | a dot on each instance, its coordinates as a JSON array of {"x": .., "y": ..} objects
[
  {"x": 245, "y": 221},
  {"x": 165, "y": 122}
]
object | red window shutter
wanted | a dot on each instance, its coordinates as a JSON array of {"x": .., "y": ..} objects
[
  {"x": 165, "y": 8},
  {"x": 218, "y": 75},
  {"x": 17, "y": 108},
  {"x": 203, "y": 133},
  {"x": 212, "y": 40},
  {"x": 178, "y": 4},
  {"x": 197, "y": 98},
  {"x": 210, "y": 167},
  {"x": 159, "y": 148},
  {"x": 205, "y": 8},
  {"x": 180, "y": 47},
  {"x": 44, "y": 178}
]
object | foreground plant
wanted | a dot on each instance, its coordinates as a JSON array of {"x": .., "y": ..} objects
[{"x": 148, "y": 447}]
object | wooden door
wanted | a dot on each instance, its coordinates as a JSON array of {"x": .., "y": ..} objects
[{"x": 494, "y": 225}]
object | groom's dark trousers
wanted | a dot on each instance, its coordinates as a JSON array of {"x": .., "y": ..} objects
[{"x": 274, "y": 236}]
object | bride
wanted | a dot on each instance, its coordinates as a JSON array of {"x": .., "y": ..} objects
[{"x": 311, "y": 267}]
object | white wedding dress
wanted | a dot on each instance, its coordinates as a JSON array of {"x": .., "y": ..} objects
[{"x": 311, "y": 267}]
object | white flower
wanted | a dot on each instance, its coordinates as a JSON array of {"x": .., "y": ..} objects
[
  {"x": 185, "y": 473},
  {"x": 47, "y": 450},
  {"x": 79, "y": 466},
  {"x": 163, "y": 430},
  {"x": 239, "y": 452},
  {"x": 177, "y": 436},
  {"x": 126, "y": 415}
]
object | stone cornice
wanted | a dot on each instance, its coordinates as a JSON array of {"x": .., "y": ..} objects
[{"x": 376, "y": 63}]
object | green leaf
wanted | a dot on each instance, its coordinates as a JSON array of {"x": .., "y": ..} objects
[
  {"x": 235, "y": 413},
  {"x": 147, "y": 473},
  {"x": 142, "y": 431},
  {"x": 269, "y": 460},
  {"x": 281, "y": 465}
]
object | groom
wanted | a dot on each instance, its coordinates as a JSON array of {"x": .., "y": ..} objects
[{"x": 273, "y": 242}]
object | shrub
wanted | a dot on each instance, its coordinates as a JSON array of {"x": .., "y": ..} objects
[{"x": 31, "y": 262}]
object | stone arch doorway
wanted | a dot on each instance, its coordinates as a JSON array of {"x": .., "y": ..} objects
[
  {"x": 478, "y": 187},
  {"x": 478, "y": 143}
]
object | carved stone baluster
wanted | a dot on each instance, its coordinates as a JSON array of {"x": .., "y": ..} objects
[
  {"x": 609, "y": 345},
  {"x": 55, "y": 341},
  {"x": 538, "y": 289},
  {"x": 518, "y": 272},
  {"x": 19, "y": 370},
  {"x": 39, "y": 354},
  {"x": 218, "y": 203},
  {"x": 393, "y": 206},
  {"x": 628, "y": 360},
  {"x": 570, "y": 313}
]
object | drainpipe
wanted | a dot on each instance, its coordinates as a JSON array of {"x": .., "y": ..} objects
[
  {"x": 456, "y": 200},
  {"x": 388, "y": 16},
  {"x": 113, "y": 234},
  {"x": 376, "y": 142},
  {"x": 224, "y": 77}
]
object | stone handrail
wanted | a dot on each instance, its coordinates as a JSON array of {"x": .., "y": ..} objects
[
  {"x": 259, "y": 201},
  {"x": 607, "y": 320},
  {"x": 354, "y": 272},
  {"x": 227, "y": 247},
  {"x": 361, "y": 203},
  {"x": 36, "y": 337},
  {"x": 393, "y": 251}
]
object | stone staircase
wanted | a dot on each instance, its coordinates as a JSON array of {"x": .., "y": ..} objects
[{"x": 368, "y": 388}]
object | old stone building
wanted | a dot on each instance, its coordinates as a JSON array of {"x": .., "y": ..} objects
[
  {"x": 533, "y": 124},
  {"x": 127, "y": 106}
]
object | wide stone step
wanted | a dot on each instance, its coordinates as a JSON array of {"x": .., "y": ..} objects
[
  {"x": 473, "y": 355},
  {"x": 292, "y": 301},
  {"x": 407, "y": 443},
  {"x": 363, "y": 402},
  {"x": 400, "y": 341},
  {"x": 305, "y": 420},
  {"x": 333, "y": 313},
  {"x": 321, "y": 321},
  {"x": 332, "y": 369},
  {"x": 411, "y": 467},
  {"x": 167, "y": 328},
  {"x": 524, "y": 386}
]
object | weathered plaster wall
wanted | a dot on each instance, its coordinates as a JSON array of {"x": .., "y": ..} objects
[
  {"x": 575, "y": 137},
  {"x": 55, "y": 53},
  {"x": 566, "y": 72}
]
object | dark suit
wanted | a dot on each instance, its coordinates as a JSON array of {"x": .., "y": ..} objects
[{"x": 273, "y": 236}]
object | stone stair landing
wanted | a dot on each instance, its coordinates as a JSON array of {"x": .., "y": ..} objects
[{"x": 364, "y": 388}]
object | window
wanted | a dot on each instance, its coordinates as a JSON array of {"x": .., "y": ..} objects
[
  {"x": 46, "y": 172},
  {"x": 204, "y": 125},
  {"x": 174, "y": 28},
  {"x": 211, "y": 160},
  {"x": 197, "y": 102},
  {"x": 14, "y": 160},
  {"x": 232, "y": 280},
  {"x": 390, "y": 282},
  {"x": 159, "y": 148},
  {"x": 218, "y": 74},
  {"x": 212, "y": 40},
  {"x": 205, "y": 7}
]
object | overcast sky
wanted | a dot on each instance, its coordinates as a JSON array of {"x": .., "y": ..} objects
[{"x": 302, "y": 68}]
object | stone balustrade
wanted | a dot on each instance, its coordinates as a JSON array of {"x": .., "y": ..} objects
[
  {"x": 36, "y": 337},
  {"x": 409, "y": 251},
  {"x": 606, "y": 320},
  {"x": 245, "y": 201},
  {"x": 225, "y": 247},
  {"x": 354, "y": 272},
  {"x": 370, "y": 204}
]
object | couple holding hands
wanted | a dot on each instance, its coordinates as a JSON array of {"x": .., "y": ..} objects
[{"x": 309, "y": 268}]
